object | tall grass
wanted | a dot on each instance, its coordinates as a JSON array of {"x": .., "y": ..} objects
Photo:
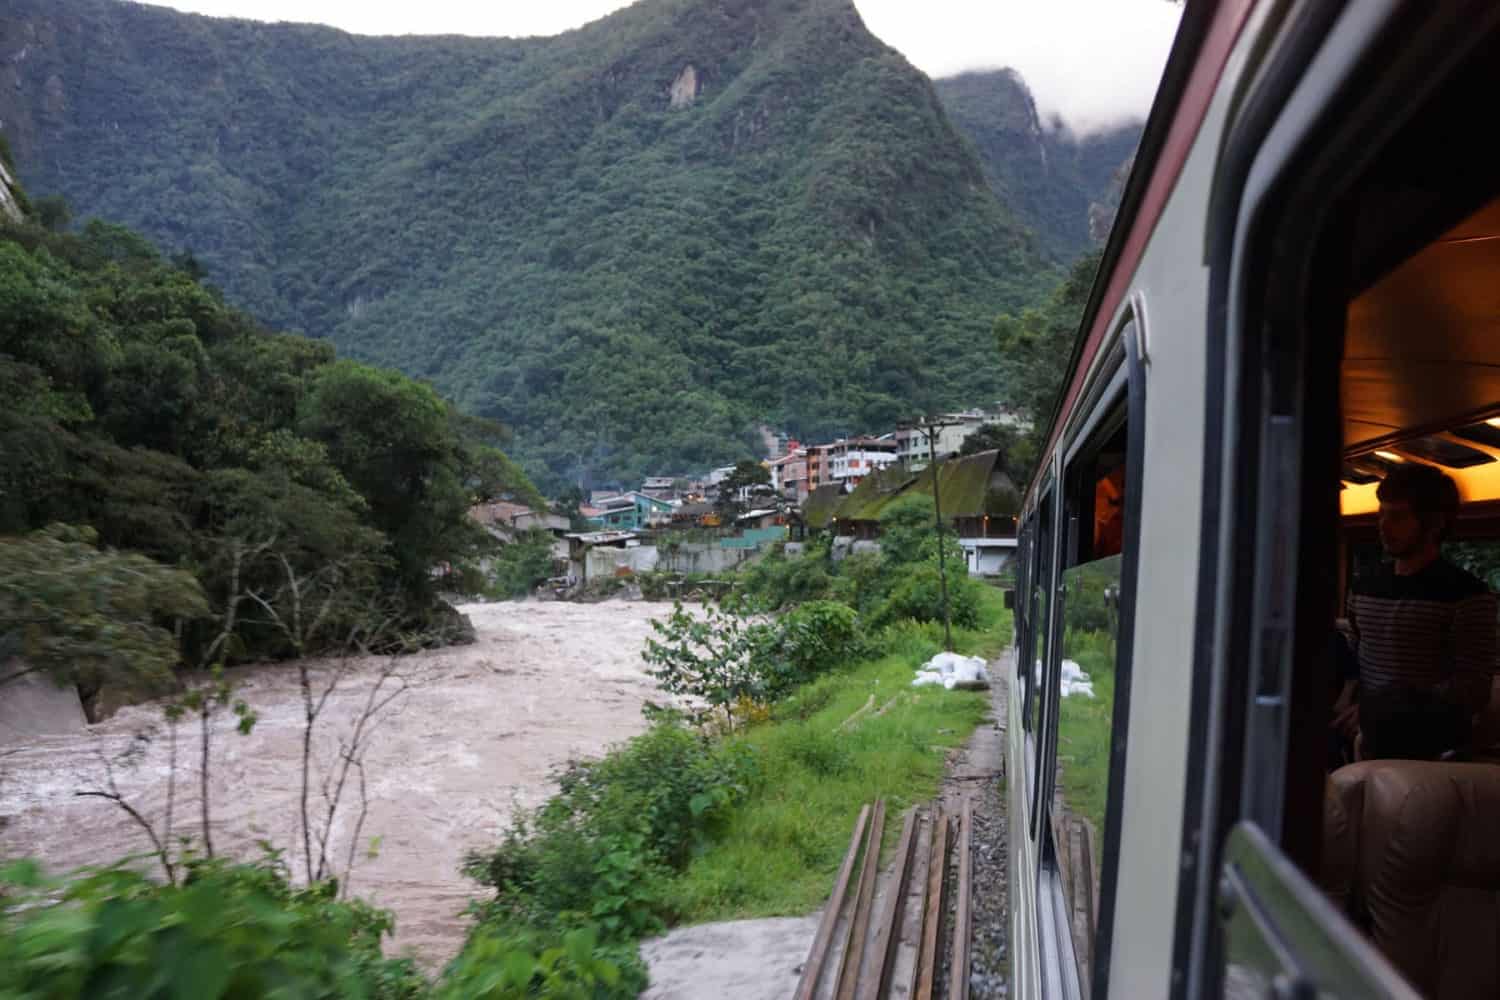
[{"x": 777, "y": 851}]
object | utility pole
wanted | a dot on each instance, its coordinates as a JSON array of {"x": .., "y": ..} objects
[{"x": 932, "y": 426}]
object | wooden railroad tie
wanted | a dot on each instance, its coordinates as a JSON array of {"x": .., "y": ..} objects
[{"x": 812, "y": 971}]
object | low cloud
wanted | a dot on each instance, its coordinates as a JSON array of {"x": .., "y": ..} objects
[
  {"x": 1095, "y": 63},
  {"x": 1092, "y": 62}
]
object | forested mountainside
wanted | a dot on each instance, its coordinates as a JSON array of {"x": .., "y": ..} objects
[
  {"x": 632, "y": 242},
  {"x": 1055, "y": 182}
]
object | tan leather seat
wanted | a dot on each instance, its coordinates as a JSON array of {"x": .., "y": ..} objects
[{"x": 1412, "y": 850}]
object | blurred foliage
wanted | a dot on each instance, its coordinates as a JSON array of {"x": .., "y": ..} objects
[
  {"x": 508, "y": 962},
  {"x": 531, "y": 226},
  {"x": 230, "y": 930},
  {"x": 1482, "y": 558}
]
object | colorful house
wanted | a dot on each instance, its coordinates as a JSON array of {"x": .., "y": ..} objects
[{"x": 631, "y": 512}]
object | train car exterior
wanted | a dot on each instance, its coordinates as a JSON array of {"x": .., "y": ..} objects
[{"x": 1179, "y": 545}]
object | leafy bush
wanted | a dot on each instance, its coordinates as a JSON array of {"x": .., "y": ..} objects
[
  {"x": 730, "y": 660},
  {"x": 518, "y": 963},
  {"x": 807, "y": 641},
  {"x": 521, "y": 565},
  {"x": 227, "y": 931},
  {"x": 659, "y": 585},
  {"x": 712, "y": 657},
  {"x": 919, "y": 596},
  {"x": 599, "y": 851},
  {"x": 778, "y": 580}
]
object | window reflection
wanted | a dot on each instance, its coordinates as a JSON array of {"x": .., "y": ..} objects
[
  {"x": 1084, "y": 732},
  {"x": 1037, "y": 634}
]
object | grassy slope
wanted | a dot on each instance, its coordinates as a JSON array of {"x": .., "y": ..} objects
[{"x": 780, "y": 850}]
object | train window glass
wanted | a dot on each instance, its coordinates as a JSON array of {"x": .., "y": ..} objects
[
  {"x": 1041, "y": 583},
  {"x": 1085, "y": 686},
  {"x": 1025, "y": 549}
]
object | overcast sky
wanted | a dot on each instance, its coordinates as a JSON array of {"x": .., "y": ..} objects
[{"x": 1092, "y": 61}]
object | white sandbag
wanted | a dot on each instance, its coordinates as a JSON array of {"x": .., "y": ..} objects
[
  {"x": 1073, "y": 688},
  {"x": 926, "y": 677},
  {"x": 1075, "y": 681},
  {"x": 949, "y": 663},
  {"x": 968, "y": 675}
]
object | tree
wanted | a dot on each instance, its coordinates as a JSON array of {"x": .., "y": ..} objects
[
  {"x": 1035, "y": 347},
  {"x": 569, "y": 505},
  {"x": 392, "y": 438},
  {"x": 1017, "y": 450},
  {"x": 748, "y": 479},
  {"x": 90, "y": 616},
  {"x": 52, "y": 212}
]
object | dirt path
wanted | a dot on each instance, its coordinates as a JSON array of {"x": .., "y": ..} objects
[{"x": 480, "y": 730}]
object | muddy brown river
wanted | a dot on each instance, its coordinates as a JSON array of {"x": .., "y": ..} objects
[{"x": 478, "y": 733}]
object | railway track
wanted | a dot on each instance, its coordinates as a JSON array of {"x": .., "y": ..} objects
[{"x": 906, "y": 933}]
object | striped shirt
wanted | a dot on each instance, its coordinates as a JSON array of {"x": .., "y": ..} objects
[{"x": 1433, "y": 632}]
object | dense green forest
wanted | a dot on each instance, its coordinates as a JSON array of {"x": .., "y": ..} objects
[
  {"x": 538, "y": 227},
  {"x": 1056, "y": 183},
  {"x": 171, "y": 472}
]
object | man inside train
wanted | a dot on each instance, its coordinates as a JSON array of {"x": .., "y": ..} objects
[{"x": 1424, "y": 630}]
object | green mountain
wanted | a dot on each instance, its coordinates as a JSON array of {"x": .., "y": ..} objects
[
  {"x": 632, "y": 242},
  {"x": 1064, "y": 187}
]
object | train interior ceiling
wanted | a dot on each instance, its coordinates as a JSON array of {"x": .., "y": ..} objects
[
  {"x": 1421, "y": 371},
  {"x": 1411, "y": 850}
]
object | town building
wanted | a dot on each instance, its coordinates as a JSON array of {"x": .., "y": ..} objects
[
  {"x": 631, "y": 512},
  {"x": 660, "y": 487},
  {"x": 911, "y": 439},
  {"x": 789, "y": 475},
  {"x": 852, "y": 459},
  {"x": 978, "y": 500},
  {"x": 794, "y": 483},
  {"x": 818, "y": 466}
]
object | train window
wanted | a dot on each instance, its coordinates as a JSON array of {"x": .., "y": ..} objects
[
  {"x": 1025, "y": 552},
  {"x": 1040, "y": 581},
  {"x": 1084, "y": 684},
  {"x": 1370, "y": 353}
]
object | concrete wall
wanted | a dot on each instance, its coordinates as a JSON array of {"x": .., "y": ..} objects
[
  {"x": 700, "y": 558},
  {"x": 608, "y": 561},
  {"x": 985, "y": 559},
  {"x": 33, "y": 706}
]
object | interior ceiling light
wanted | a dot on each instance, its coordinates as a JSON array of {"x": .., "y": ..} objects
[
  {"x": 1486, "y": 432},
  {"x": 1446, "y": 453}
]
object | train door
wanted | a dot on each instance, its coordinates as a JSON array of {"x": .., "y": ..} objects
[{"x": 1356, "y": 150}]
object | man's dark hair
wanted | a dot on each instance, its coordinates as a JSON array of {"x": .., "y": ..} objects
[{"x": 1431, "y": 492}]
